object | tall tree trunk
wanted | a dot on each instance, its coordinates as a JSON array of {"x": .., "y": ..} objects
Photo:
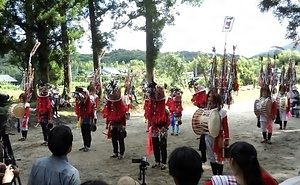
[
  {"x": 150, "y": 48},
  {"x": 43, "y": 52},
  {"x": 95, "y": 46},
  {"x": 29, "y": 41},
  {"x": 66, "y": 58}
]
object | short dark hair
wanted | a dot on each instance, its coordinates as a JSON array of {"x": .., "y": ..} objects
[
  {"x": 185, "y": 165},
  {"x": 60, "y": 140},
  {"x": 94, "y": 182}
]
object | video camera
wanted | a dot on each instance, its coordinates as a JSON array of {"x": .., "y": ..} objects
[
  {"x": 143, "y": 167},
  {"x": 142, "y": 161}
]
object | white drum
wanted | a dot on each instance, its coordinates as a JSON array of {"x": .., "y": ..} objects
[
  {"x": 282, "y": 103},
  {"x": 17, "y": 110},
  {"x": 214, "y": 123}
]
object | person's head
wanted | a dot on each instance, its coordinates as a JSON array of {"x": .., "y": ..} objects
[
  {"x": 185, "y": 166},
  {"x": 3, "y": 118},
  {"x": 214, "y": 101},
  {"x": 94, "y": 182},
  {"x": 265, "y": 92},
  {"x": 282, "y": 89},
  {"x": 60, "y": 140},
  {"x": 127, "y": 181},
  {"x": 92, "y": 89},
  {"x": 244, "y": 163},
  {"x": 23, "y": 97}
]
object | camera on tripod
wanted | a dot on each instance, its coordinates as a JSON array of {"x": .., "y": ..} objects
[
  {"x": 142, "y": 161},
  {"x": 143, "y": 167}
]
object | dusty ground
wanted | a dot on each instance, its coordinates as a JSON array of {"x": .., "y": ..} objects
[{"x": 281, "y": 159}]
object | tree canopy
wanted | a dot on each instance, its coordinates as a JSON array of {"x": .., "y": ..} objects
[{"x": 288, "y": 10}]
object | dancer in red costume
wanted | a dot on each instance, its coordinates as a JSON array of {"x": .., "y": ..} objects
[
  {"x": 175, "y": 107},
  {"x": 44, "y": 110},
  {"x": 159, "y": 118},
  {"x": 85, "y": 113},
  {"x": 115, "y": 114}
]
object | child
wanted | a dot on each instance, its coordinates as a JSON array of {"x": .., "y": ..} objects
[
  {"x": 265, "y": 117},
  {"x": 283, "y": 106},
  {"x": 24, "y": 121},
  {"x": 214, "y": 145}
]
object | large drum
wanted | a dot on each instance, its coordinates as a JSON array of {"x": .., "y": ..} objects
[
  {"x": 17, "y": 110},
  {"x": 260, "y": 107},
  {"x": 214, "y": 122},
  {"x": 282, "y": 103},
  {"x": 200, "y": 121}
]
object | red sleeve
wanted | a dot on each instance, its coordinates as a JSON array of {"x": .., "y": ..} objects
[
  {"x": 289, "y": 105},
  {"x": 49, "y": 109},
  {"x": 26, "y": 115},
  {"x": 97, "y": 102},
  {"x": 225, "y": 127},
  {"x": 208, "y": 182}
]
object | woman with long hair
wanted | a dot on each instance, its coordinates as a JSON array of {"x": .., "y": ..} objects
[{"x": 245, "y": 167}]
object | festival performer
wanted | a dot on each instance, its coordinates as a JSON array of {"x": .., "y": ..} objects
[
  {"x": 218, "y": 137},
  {"x": 44, "y": 110},
  {"x": 85, "y": 114},
  {"x": 115, "y": 114},
  {"x": 199, "y": 97},
  {"x": 94, "y": 101},
  {"x": 24, "y": 121},
  {"x": 265, "y": 114},
  {"x": 55, "y": 101},
  {"x": 159, "y": 118},
  {"x": 283, "y": 102},
  {"x": 175, "y": 107}
]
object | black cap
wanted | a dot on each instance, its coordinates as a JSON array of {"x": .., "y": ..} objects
[{"x": 3, "y": 116}]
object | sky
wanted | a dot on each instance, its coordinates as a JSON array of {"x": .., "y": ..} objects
[{"x": 199, "y": 29}]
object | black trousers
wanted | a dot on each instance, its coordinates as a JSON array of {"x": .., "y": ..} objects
[
  {"x": 86, "y": 134},
  {"x": 117, "y": 139},
  {"x": 160, "y": 150},
  {"x": 45, "y": 128}
]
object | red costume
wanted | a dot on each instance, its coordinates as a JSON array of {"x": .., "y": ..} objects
[
  {"x": 43, "y": 107},
  {"x": 44, "y": 110},
  {"x": 115, "y": 113},
  {"x": 199, "y": 98}
]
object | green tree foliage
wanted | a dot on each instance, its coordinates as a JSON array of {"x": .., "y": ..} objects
[
  {"x": 284, "y": 10},
  {"x": 156, "y": 14},
  {"x": 172, "y": 67}
]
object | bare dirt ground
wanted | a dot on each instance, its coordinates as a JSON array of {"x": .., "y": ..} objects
[{"x": 281, "y": 159}]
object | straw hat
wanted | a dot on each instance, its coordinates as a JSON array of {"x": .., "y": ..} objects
[
  {"x": 214, "y": 123},
  {"x": 127, "y": 181}
]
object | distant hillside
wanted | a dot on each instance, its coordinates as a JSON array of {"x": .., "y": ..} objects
[
  {"x": 275, "y": 50},
  {"x": 127, "y": 55}
]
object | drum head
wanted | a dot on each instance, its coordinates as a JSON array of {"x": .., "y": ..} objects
[
  {"x": 17, "y": 110},
  {"x": 214, "y": 123},
  {"x": 196, "y": 122}
]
